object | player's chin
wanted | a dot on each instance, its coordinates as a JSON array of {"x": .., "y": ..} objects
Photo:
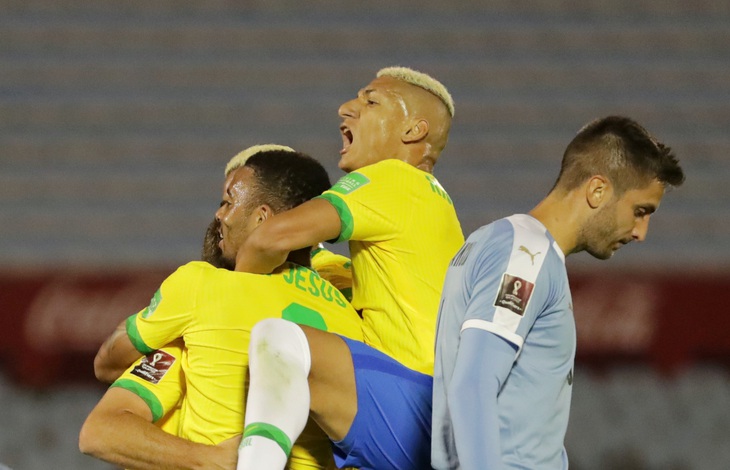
[
  {"x": 601, "y": 254},
  {"x": 344, "y": 164},
  {"x": 350, "y": 161}
]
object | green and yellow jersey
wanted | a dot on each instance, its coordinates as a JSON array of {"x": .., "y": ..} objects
[
  {"x": 214, "y": 310},
  {"x": 158, "y": 380},
  {"x": 403, "y": 231}
]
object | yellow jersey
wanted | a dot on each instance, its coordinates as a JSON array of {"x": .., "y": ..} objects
[
  {"x": 403, "y": 232},
  {"x": 159, "y": 381},
  {"x": 214, "y": 310},
  {"x": 335, "y": 268}
]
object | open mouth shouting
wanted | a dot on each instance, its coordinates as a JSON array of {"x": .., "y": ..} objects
[{"x": 347, "y": 138}]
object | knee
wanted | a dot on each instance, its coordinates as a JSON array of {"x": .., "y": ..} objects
[
  {"x": 266, "y": 330},
  {"x": 280, "y": 341}
]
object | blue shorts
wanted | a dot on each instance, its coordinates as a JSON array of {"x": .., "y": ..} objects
[{"x": 392, "y": 428}]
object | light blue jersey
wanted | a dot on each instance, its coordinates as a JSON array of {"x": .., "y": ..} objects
[{"x": 505, "y": 348}]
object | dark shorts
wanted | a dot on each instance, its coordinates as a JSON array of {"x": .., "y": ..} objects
[{"x": 392, "y": 428}]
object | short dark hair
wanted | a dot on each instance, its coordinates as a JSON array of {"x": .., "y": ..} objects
[
  {"x": 286, "y": 179},
  {"x": 623, "y": 151},
  {"x": 211, "y": 252}
]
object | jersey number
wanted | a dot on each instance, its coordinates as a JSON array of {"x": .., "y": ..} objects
[{"x": 302, "y": 315}]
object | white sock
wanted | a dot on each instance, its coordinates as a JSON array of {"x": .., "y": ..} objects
[{"x": 278, "y": 395}]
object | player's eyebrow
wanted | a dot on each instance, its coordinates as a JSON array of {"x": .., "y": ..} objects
[{"x": 367, "y": 92}]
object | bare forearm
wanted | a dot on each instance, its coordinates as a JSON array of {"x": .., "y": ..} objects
[
  {"x": 114, "y": 356},
  {"x": 258, "y": 255},
  {"x": 134, "y": 443},
  {"x": 269, "y": 245}
]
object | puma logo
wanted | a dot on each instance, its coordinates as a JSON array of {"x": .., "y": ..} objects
[{"x": 532, "y": 256}]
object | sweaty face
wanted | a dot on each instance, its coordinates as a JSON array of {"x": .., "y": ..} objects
[
  {"x": 622, "y": 220},
  {"x": 234, "y": 213},
  {"x": 372, "y": 123}
]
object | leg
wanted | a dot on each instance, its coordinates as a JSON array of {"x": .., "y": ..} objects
[
  {"x": 279, "y": 392},
  {"x": 332, "y": 388},
  {"x": 392, "y": 426},
  {"x": 380, "y": 420}
]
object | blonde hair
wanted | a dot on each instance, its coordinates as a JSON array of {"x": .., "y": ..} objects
[
  {"x": 240, "y": 159},
  {"x": 421, "y": 80}
]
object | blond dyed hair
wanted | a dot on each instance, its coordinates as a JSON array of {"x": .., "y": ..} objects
[
  {"x": 421, "y": 80},
  {"x": 240, "y": 159}
]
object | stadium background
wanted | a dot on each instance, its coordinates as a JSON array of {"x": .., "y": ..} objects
[{"x": 117, "y": 118}]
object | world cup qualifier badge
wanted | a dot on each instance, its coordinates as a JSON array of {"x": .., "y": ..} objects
[
  {"x": 350, "y": 182},
  {"x": 514, "y": 294},
  {"x": 154, "y": 366}
]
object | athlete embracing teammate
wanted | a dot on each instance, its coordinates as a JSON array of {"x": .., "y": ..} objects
[{"x": 373, "y": 399}]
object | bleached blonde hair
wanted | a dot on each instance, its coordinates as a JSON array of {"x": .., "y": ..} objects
[
  {"x": 421, "y": 80},
  {"x": 240, "y": 159}
]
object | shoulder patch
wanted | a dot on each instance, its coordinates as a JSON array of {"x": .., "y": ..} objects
[
  {"x": 350, "y": 183},
  {"x": 154, "y": 366},
  {"x": 156, "y": 299},
  {"x": 514, "y": 294}
]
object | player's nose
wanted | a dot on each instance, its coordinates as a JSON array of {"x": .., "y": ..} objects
[
  {"x": 641, "y": 228},
  {"x": 348, "y": 109}
]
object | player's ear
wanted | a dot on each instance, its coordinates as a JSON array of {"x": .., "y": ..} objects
[
  {"x": 598, "y": 191},
  {"x": 415, "y": 131},
  {"x": 262, "y": 213}
]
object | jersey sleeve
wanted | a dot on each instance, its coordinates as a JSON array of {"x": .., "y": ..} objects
[
  {"x": 157, "y": 379},
  {"x": 169, "y": 312},
  {"x": 472, "y": 397},
  {"x": 506, "y": 295},
  {"x": 362, "y": 199}
]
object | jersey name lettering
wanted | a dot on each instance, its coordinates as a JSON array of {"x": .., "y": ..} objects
[{"x": 309, "y": 281}]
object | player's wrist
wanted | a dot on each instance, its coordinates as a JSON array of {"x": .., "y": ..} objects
[{"x": 220, "y": 457}]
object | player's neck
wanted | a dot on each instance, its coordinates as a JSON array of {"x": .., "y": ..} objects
[
  {"x": 301, "y": 257},
  {"x": 559, "y": 215},
  {"x": 418, "y": 158}
]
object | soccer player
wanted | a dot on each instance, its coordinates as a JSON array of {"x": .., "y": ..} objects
[
  {"x": 213, "y": 310},
  {"x": 372, "y": 399},
  {"x": 506, "y": 336}
]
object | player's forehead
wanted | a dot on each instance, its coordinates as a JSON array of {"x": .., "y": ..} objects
[
  {"x": 238, "y": 180},
  {"x": 385, "y": 85}
]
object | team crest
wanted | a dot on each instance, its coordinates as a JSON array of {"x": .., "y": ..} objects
[{"x": 514, "y": 294}]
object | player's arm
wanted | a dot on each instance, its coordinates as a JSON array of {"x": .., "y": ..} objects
[
  {"x": 335, "y": 268},
  {"x": 119, "y": 430},
  {"x": 483, "y": 363},
  {"x": 115, "y": 355},
  {"x": 305, "y": 225},
  {"x": 153, "y": 327}
]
